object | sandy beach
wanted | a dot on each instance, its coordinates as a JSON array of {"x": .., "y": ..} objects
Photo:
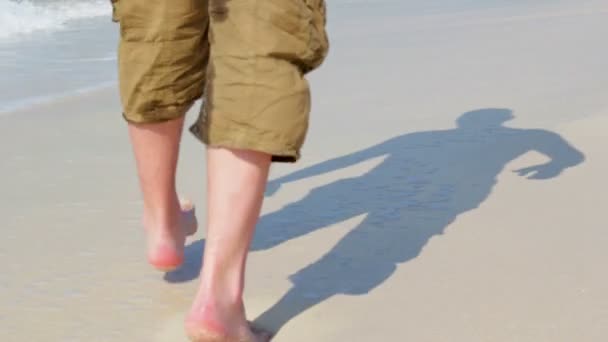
[{"x": 452, "y": 188}]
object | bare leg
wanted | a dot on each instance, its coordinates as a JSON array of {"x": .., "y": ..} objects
[
  {"x": 236, "y": 183},
  {"x": 156, "y": 148}
]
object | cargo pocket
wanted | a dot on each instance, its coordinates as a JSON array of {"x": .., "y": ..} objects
[
  {"x": 318, "y": 43},
  {"x": 293, "y": 30}
]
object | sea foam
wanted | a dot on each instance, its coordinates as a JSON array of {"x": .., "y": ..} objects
[{"x": 23, "y": 17}]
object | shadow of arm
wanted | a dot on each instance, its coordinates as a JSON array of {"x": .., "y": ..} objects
[{"x": 562, "y": 155}]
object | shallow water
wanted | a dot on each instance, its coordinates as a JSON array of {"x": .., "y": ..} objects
[{"x": 54, "y": 48}]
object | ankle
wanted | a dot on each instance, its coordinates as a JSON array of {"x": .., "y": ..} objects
[
  {"x": 218, "y": 294},
  {"x": 217, "y": 315},
  {"x": 163, "y": 218}
]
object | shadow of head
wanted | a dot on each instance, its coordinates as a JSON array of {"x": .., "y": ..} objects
[{"x": 484, "y": 118}]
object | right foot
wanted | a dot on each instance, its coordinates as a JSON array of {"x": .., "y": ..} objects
[
  {"x": 197, "y": 332},
  {"x": 166, "y": 246},
  {"x": 231, "y": 326}
]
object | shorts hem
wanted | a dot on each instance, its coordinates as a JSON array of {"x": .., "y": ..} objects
[
  {"x": 235, "y": 137},
  {"x": 158, "y": 115}
]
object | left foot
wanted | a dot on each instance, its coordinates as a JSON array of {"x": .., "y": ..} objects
[{"x": 166, "y": 244}]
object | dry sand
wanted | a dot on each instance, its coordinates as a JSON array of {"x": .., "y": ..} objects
[{"x": 428, "y": 237}]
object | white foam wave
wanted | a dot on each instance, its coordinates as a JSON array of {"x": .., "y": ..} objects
[{"x": 22, "y": 17}]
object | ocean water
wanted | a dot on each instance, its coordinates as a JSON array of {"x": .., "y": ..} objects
[{"x": 55, "y": 48}]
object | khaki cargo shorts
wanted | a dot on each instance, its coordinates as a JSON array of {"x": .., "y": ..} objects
[{"x": 247, "y": 59}]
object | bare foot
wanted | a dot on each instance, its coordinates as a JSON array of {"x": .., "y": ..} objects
[
  {"x": 209, "y": 322},
  {"x": 166, "y": 244},
  {"x": 197, "y": 332}
]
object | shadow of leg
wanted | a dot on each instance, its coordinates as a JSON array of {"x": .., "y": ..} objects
[
  {"x": 330, "y": 204},
  {"x": 292, "y": 304}
]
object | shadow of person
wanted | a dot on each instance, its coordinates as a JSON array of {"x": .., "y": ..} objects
[{"x": 424, "y": 182}]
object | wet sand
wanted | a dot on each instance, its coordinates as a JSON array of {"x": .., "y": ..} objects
[{"x": 405, "y": 221}]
